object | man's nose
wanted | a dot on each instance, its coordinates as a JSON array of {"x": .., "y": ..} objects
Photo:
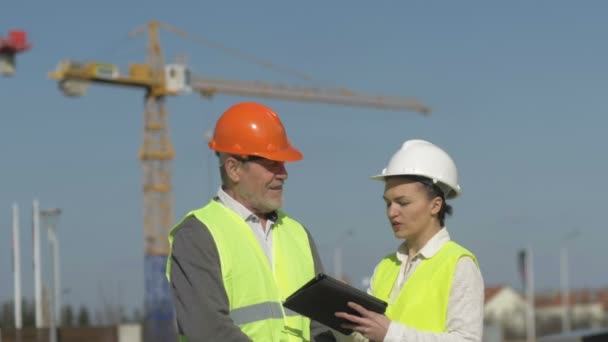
[{"x": 281, "y": 171}]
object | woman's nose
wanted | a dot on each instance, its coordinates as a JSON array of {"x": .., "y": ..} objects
[{"x": 391, "y": 211}]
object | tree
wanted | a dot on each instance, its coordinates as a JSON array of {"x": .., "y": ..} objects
[
  {"x": 84, "y": 319},
  {"x": 67, "y": 316},
  {"x": 29, "y": 314},
  {"x": 8, "y": 315}
]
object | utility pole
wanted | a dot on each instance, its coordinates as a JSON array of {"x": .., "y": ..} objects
[
  {"x": 564, "y": 278},
  {"x": 563, "y": 272},
  {"x": 531, "y": 322}
]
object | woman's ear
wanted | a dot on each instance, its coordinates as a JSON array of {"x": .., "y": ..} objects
[{"x": 436, "y": 204}]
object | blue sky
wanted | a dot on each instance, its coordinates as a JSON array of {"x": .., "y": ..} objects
[{"x": 518, "y": 96}]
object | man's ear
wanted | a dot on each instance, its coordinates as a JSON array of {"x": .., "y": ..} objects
[{"x": 231, "y": 166}]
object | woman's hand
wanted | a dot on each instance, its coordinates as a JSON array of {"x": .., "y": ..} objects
[{"x": 371, "y": 324}]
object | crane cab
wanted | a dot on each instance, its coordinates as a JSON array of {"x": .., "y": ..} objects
[
  {"x": 7, "y": 64},
  {"x": 105, "y": 71},
  {"x": 16, "y": 42},
  {"x": 177, "y": 78}
]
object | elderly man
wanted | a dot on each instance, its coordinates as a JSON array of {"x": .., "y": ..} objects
[{"x": 235, "y": 260}]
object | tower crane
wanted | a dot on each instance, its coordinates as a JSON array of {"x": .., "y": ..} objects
[
  {"x": 157, "y": 153},
  {"x": 15, "y": 43}
]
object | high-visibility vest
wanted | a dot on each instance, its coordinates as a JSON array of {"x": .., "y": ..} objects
[
  {"x": 255, "y": 289},
  {"x": 422, "y": 303}
]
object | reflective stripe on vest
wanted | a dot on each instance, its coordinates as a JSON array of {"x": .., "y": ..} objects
[
  {"x": 255, "y": 289},
  {"x": 256, "y": 312},
  {"x": 423, "y": 301}
]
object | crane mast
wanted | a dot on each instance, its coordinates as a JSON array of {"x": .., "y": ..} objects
[{"x": 157, "y": 153}]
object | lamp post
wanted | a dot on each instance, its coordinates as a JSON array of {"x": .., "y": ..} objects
[
  {"x": 17, "y": 271},
  {"x": 338, "y": 253},
  {"x": 51, "y": 216},
  {"x": 564, "y": 277},
  {"x": 36, "y": 263}
]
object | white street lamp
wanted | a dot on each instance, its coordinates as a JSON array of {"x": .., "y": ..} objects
[
  {"x": 17, "y": 268},
  {"x": 51, "y": 216}
]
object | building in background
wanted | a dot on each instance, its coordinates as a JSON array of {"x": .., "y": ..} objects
[{"x": 505, "y": 307}]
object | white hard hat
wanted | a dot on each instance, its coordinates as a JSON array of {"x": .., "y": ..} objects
[{"x": 422, "y": 158}]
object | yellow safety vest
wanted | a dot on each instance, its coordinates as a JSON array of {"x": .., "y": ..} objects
[
  {"x": 422, "y": 303},
  {"x": 255, "y": 290}
]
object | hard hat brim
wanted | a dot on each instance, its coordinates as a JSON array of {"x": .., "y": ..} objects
[
  {"x": 379, "y": 177},
  {"x": 453, "y": 193},
  {"x": 290, "y": 154}
]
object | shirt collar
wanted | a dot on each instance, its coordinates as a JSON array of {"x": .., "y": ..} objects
[
  {"x": 240, "y": 209},
  {"x": 430, "y": 248}
]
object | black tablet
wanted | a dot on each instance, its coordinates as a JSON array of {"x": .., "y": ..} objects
[{"x": 323, "y": 296}]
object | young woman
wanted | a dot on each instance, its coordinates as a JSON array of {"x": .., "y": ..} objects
[{"x": 433, "y": 285}]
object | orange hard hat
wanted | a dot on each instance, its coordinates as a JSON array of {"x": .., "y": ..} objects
[{"x": 252, "y": 129}]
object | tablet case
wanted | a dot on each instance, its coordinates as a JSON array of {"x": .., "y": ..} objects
[{"x": 323, "y": 296}]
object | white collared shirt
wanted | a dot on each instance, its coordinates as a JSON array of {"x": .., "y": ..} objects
[
  {"x": 465, "y": 305},
  {"x": 264, "y": 236}
]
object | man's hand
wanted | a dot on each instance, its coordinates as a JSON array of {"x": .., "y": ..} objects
[{"x": 371, "y": 324}]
